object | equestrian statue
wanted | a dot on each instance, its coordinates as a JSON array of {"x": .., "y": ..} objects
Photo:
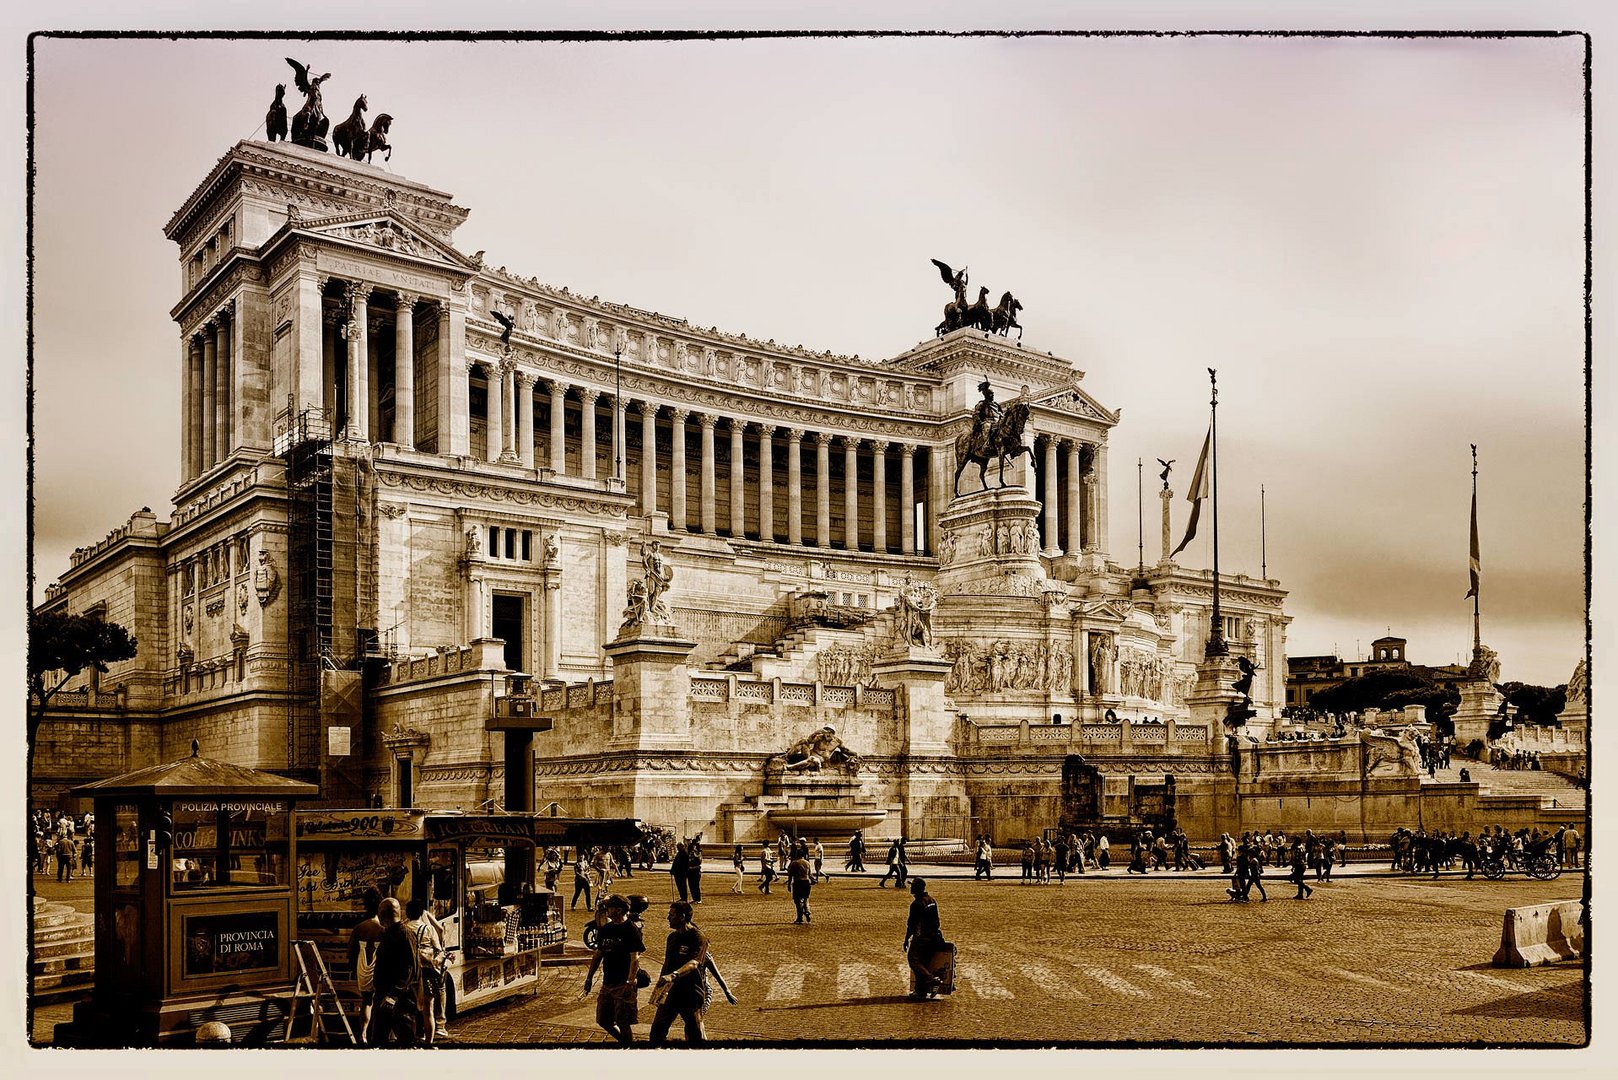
[
  {"x": 997, "y": 434},
  {"x": 351, "y": 139},
  {"x": 977, "y": 315}
]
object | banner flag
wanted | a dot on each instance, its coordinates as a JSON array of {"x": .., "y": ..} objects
[{"x": 1197, "y": 492}]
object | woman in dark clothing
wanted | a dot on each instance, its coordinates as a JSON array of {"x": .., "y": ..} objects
[{"x": 680, "y": 869}]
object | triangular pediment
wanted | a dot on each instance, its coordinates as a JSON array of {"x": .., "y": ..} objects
[
  {"x": 1107, "y": 610},
  {"x": 386, "y": 231},
  {"x": 1070, "y": 399}
]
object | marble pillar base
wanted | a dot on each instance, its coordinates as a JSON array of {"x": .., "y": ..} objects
[{"x": 987, "y": 536}]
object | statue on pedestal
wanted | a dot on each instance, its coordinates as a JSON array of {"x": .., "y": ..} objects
[
  {"x": 913, "y": 608},
  {"x": 310, "y": 123},
  {"x": 1101, "y": 654},
  {"x": 648, "y": 596},
  {"x": 818, "y": 751},
  {"x": 275, "y": 121},
  {"x": 996, "y": 434}
]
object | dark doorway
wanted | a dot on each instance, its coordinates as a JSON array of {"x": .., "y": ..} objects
[
  {"x": 403, "y": 767},
  {"x": 507, "y": 624}
]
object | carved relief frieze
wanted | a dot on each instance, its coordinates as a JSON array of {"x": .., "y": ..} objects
[{"x": 992, "y": 666}]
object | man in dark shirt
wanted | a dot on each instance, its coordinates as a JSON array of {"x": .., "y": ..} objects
[
  {"x": 396, "y": 1019},
  {"x": 618, "y": 952},
  {"x": 362, "y": 955},
  {"x": 924, "y": 944},
  {"x": 798, "y": 874},
  {"x": 685, "y": 991}
]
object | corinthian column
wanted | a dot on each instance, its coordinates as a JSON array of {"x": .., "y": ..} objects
[
  {"x": 738, "y": 472},
  {"x": 766, "y": 483},
  {"x": 823, "y": 488},
  {"x": 851, "y": 492},
  {"x": 1075, "y": 516},
  {"x": 525, "y": 419},
  {"x": 558, "y": 429},
  {"x": 677, "y": 469},
  {"x": 1053, "y": 500},
  {"x": 794, "y": 486},
  {"x": 620, "y": 455},
  {"x": 495, "y": 380},
  {"x": 879, "y": 496},
  {"x": 1102, "y": 537},
  {"x": 193, "y": 408},
  {"x": 404, "y": 371},
  {"x": 907, "y": 499},
  {"x": 648, "y": 457},
  {"x": 359, "y": 353},
  {"x": 223, "y": 428},
  {"x": 587, "y": 437},
  {"x": 210, "y": 401},
  {"x": 709, "y": 514}
]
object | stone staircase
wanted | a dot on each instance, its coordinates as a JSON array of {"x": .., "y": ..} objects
[
  {"x": 63, "y": 963},
  {"x": 1547, "y": 785},
  {"x": 796, "y": 651}
]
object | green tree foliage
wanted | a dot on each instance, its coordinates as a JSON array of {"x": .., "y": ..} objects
[
  {"x": 68, "y": 644},
  {"x": 1534, "y": 704}
]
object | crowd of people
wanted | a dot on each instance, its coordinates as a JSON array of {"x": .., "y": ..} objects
[
  {"x": 62, "y": 842},
  {"x": 1513, "y": 760}
]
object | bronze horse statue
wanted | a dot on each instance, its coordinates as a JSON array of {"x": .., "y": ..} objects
[
  {"x": 377, "y": 139},
  {"x": 958, "y": 313},
  {"x": 1004, "y": 317},
  {"x": 1003, "y": 441},
  {"x": 348, "y": 138}
]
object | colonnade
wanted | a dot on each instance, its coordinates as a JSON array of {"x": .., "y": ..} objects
[
  {"x": 1073, "y": 507},
  {"x": 208, "y": 368}
]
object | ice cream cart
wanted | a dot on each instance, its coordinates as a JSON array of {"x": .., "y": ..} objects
[{"x": 475, "y": 871}]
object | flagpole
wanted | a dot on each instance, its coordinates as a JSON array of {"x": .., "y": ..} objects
[
  {"x": 1477, "y": 626},
  {"x": 1263, "y": 553},
  {"x": 1216, "y": 632},
  {"x": 1140, "y": 519}
]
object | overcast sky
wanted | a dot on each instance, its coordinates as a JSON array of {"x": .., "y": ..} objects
[{"x": 1378, "y": 243}]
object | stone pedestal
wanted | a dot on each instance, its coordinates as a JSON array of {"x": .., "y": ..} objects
[
  {"x": 932, "y": 787},
  {"x": 987, "y": 536},
  {"x": 1214, "y": 693},
  {"x": 1480, "y": 704},
  {"x": 651, "y": 688}
]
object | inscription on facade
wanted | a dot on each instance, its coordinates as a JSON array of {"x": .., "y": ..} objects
[{"x": 337, "y": 266}]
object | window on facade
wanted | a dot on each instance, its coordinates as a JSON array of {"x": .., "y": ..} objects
[
  {"x": 511, "y": 543},
  {"x": 527, "y": 545},
  {"x": 220, "y": 844},
  {"x": 494, "y": 541}
]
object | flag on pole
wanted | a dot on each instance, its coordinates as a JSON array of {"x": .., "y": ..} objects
[
  {"x": 1476, "y": 565},
  {"x": 1197, "y": 492}
]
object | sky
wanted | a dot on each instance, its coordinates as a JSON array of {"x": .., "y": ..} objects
[{"x": 1378, "y": 243}]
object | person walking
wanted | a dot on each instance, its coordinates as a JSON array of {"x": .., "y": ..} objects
[
  {"x": 1103, "y": 852},
  {"x": 66, "y": 856},
  {"x": 1027, "y": 861},
  {"x": 682, "y": 987},
  {"x": 1137, "y": 856},
  {"x": 1061, "y": 858},
  {"x": 930, "y": 957},
  {"x": 1300, "y": 863},
  {"x": 1225, "y": 852},
  {"x": 1255, "y": 876},
  {"x": 693, "y": 868},
  {"x": 766, "y": 867},
  {"x": 362, "y": 942},
  {"x": 1238, "y": 878},
  {"x": 680, "y": 870},
  {"x": 430, "y": 952},
  {"x": 983, "y": 865},
  {"x": 618, "y": 950},
  {"x": 856, "y": 853},
  {"x": 581, "y": 880},
  {"x": 893, "y": 867},
  {"x": 904, "y": 862},
  {"x": 396, "y": 1018},
  {"x": 798, "y": 874},
  {"x": 1328, "y": 856},
  {"x": 739, "y": 861},
  {"x": 819, "y": 851}
]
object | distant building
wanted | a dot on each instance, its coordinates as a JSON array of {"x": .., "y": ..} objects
[{"x": 1309, "y": 675}]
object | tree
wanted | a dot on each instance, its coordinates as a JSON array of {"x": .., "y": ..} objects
[
  {"x": 1392, "y": 688},
  {"x": 1534, "y": 704},
  {"x": 59, "y": 642}
]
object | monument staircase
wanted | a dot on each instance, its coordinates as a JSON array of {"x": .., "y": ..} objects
[
  {"x": 1551, "y": 788},
  {"x": 63, "y": 963},
  {"x": 796, "y": 651}
]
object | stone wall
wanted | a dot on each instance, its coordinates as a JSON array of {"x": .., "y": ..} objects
[{"x": 433, "y": 710}]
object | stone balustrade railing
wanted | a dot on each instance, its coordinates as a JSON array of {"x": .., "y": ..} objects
[
  {"x": 742, "y": 688},
  {"x": 1169, "y": 736},
  {"x": 85, "y": 698},
  {"x": 446, "y": 661}
]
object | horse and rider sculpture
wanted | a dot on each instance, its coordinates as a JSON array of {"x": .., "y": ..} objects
[
  {"x": 351, "y": 138},
  {"x": 978, "y": 315},
  {"x": 996, "y": 435}
]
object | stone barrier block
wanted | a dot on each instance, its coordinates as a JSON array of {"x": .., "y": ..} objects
[{"x": 1541, "y": 934}]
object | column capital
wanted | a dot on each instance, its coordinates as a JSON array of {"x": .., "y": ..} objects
[
  {"x": 795, "y": 434},
  {"x": 351, "y": 332},
  {"x": 880, "y": 446},
  {"x": 357, "y": 291},
  {"x": 321, "y": 281},
  {"x": 620, "y": 402},
  {"x": 908, "y": 449},
  {"x": 678, "y": 415},
  {"x": 507, "y": 366},
  {"x": 851, "y": 442},
  {"x": 226, "y": 312},
  {"x": 824, "y": 438},
  {"x": 472, "y": 362},
  {"x": 526, "y": 379},
  {"x": 647, "y": 407},
  {"x": 588, "y": 394},
  {"x": 554, "y": 386},
  {"x": 707, "y": 420},
  {"x": 406, "y": 301}
]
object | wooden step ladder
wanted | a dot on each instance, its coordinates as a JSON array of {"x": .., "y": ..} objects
[{"x": 314, "y": 986}]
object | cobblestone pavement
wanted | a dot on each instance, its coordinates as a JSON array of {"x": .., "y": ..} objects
[{"x": 1168, "y": 960}]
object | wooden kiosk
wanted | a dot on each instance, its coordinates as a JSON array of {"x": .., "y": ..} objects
[{"x": 195, "y": 908}]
